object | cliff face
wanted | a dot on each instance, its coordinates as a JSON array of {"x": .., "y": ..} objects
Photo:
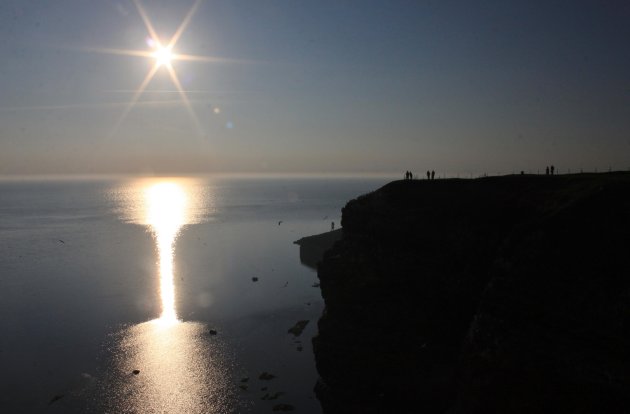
[
  {"x": 312, "y": 248},
  {"x": 506, "y": 294}
]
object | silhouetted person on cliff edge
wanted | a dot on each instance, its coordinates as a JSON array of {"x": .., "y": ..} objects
[
  {"x": 433, "y": 175},
  {"x": 428, "y": 175},
  {"x": 547, "y": 171},
  {"x": 332, "y": 225},
  {"x": 552, "y": 169}
]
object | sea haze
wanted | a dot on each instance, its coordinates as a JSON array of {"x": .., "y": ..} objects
[{"x": 83, "y": 271}]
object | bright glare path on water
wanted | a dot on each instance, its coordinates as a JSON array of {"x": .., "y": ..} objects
[
  {"x": 165, "y": 365},
  {"x": 166, "y": 204}
]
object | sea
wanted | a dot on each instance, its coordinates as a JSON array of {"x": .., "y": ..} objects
[{"x": 162, "y": 294}]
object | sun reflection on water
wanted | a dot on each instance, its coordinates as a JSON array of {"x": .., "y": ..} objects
[
  {"x": 166, "y": 365},
  {"x": 165, "y": 206},
  {"x": 167, "y": 368},
  {"x": 166, "y": 214}
]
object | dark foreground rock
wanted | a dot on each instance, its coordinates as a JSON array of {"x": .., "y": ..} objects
[
  {"x": 506, "y": 294},
  {"x": 312, "y": 248}
]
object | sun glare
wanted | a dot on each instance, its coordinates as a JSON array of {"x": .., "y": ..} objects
[
  {"x": 163, "y": 56},
  {"x": 166, "y": 214}
]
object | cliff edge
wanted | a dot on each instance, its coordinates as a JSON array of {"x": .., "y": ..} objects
[
  {"x": 312, "y": 248},
  {"x": 503, "y": 294}
]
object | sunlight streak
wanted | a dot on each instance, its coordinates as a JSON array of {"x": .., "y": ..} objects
[
  {"x": 184, "y": 97},
  {"x": 174, "y": 56},
  {"x": 120, "y": 52},
  {"x": 135, "y": 97},
  {"x": 115, "y": 105},
  {"x": 184, "y": 25},
  {"x": 212, "y": 59},
  {"x": 147, "y": 22}
]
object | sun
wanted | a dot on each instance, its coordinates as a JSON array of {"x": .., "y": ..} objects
[{"x": 163, "y": 56}]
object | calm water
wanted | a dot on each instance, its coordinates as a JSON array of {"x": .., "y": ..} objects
[{"x": 103, "y": 277}]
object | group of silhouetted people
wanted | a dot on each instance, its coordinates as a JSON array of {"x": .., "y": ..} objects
[
  {"x": 430, "y": 175},
  {"x": 550, "y": 170}
]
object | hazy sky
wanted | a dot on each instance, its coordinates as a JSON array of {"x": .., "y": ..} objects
[{"x": 317, "y": 86}]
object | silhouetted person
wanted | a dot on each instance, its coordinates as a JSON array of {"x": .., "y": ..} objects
[
  {"x": 552, "y": 169},
  {"x": 332, "y": 225},
  {"x": 433, "y": 175},
  {"x": 547, "y": 171},
  {"x": 428, "y": 175}
]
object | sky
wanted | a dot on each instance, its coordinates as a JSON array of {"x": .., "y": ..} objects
[{"x": 327, "y": 86}]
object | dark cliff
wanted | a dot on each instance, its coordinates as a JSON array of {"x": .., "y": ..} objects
[
  {"x": 504, "y": 294},
  {"x": 312, "y": 248}
]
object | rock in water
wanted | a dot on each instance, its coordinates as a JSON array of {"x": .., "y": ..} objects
[
  {"x": 55, "y": 398},
  {"x": 283, "y": 407},
  {"x": 298, "y": 328},
  {"x": 265, "y": 376},
  {"x": 274, "y": 396}
]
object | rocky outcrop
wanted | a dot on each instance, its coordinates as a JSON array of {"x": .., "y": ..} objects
[
  {"x": 312, "y": 248},
  {"x": 505, "y": 294}
]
